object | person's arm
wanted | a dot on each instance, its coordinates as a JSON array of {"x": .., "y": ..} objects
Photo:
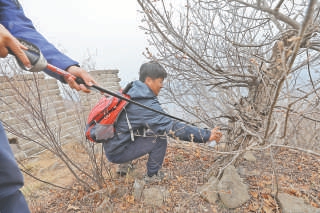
[
  {"x": 161, "y": 124},
  {"x": 13, "y": 18}
]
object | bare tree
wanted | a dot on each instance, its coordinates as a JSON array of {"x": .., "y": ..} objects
[
  {"x": 41, "y": 124},
  {"x": 246, "y": 65}
]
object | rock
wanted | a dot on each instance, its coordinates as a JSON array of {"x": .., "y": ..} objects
[
  {"x": 138, "y": 189},
  {"x": 209, "y": 191},
  {"x": 249, "y": 156},
  {"x": 232, "y": 191},
  {"x": 292, "y": 204},
  {"x": 155, "y": 196},
  {"x": 104, "y": 207}
]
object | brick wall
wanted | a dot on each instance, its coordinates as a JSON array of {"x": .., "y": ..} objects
[{"x": 34, "y": 111}]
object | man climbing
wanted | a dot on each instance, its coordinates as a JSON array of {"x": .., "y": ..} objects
[{"x": 150, "y": 129}]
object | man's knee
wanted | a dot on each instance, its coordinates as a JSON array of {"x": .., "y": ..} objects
[{"x": 111, "y": 158}]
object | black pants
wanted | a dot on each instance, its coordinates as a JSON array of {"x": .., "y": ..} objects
[{"x": 154, "y": 146}]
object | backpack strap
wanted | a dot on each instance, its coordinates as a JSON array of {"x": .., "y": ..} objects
[{"x": 129, "y": 125}]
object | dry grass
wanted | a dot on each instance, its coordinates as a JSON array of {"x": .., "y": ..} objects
[{"x": 186, "y": 165}]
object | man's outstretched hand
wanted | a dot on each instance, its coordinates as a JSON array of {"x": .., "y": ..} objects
[{"x": 215, "y": 134}]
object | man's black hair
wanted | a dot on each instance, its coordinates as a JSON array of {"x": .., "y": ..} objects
[{"x": 153, "y": 70}]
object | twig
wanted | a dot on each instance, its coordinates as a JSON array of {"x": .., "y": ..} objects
[
  {"x": 296, "y": 148},
  {"x": 275, "y": 188}
]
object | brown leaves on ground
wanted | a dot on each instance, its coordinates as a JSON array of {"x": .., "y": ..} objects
[{"x": 186, "y": 165}]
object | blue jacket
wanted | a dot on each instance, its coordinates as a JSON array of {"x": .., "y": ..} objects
[
  {"x": 142, "y": 119},
  {"x": 13, "y": 18}
]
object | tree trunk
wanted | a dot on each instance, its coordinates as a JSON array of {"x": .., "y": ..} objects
[{"x": 254, "y": 113}]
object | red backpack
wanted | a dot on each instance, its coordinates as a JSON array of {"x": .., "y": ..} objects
[{"x": 103, "y": 116}]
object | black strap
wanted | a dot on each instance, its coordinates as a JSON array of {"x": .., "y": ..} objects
[{"x": 138, "y": 104}]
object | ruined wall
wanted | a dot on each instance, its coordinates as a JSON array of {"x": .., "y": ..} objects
[{"x": 34, "y": 113}]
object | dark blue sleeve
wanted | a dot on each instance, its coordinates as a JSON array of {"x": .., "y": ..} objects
[
  {"x": 161, "y": 124},
  {"x": 13, "y": 18}
]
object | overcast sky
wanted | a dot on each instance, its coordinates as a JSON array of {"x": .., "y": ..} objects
[{"x": 107, "y": 29}]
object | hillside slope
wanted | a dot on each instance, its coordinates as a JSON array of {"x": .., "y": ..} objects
[{"x": 186, "y": 166}]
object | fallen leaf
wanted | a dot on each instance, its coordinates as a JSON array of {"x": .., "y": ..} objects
[
  {"x": 73, "y": 208},
  {"x": 254, "y": 194}
]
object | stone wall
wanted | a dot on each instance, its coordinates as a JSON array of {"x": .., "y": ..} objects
[{"x": 35, "y": 113}]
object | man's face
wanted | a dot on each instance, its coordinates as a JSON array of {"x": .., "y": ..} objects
[{"x": 154, "y": 84}]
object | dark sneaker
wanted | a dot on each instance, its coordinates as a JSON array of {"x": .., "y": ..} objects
[
  {"x": 156, "y": 178},
  {"x": 125, "y": 168}
]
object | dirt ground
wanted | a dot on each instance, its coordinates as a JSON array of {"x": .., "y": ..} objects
[{"x": 296, "y": 173}]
